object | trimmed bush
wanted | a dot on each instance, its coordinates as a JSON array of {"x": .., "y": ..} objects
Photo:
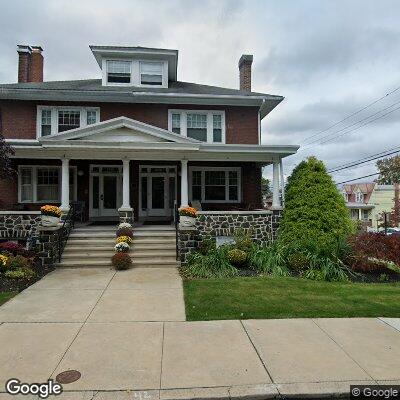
[
  {"x": 314, "y": 209},
  {"x": 237, "y": 257},
  {"x": 121, "y": 261}
]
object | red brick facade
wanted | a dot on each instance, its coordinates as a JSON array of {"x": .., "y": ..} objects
[{"x": 19, "y": 117}]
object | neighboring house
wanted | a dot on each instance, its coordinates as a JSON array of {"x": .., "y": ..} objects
[
  {"x": 136, "y": 139},
  {"x": 367, "y": 201}
]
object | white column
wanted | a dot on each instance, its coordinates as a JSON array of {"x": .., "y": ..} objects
[
  {"x": 282, "y": 181},
  {"x": 65, "y": 185},
  {"x": 125, "y": 185},
  {"x": 275, "y": 183},
  {"x": 184, "y": 184}
]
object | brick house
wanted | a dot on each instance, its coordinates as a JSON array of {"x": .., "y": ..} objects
[{"x": 136, "y": 139}]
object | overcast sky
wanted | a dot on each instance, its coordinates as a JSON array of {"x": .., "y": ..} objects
[{"x": 328, "y": 58}]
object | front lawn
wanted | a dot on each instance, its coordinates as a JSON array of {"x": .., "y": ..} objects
[
  {"x": 276, "y": 297},
  {"x": 4, "y": 296}
]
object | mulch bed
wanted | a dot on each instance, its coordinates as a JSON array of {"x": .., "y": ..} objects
[{"x": 17, "y": 285}]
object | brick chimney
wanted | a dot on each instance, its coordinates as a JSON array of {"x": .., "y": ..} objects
[
  {"x": 245, "y": 72},
  {"x": 30, "y": 64}
]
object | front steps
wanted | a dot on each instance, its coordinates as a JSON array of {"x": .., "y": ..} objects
[{"x": 154, "y": 246}]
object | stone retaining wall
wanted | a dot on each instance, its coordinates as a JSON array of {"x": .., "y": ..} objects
[
  {"x": 261, "y": 225},
  {"x": 19, "y": 224}
]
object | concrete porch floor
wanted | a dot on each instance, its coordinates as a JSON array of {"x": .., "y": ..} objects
[{"x": 127, "y": 335}]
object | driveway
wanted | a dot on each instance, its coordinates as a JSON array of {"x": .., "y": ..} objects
[{"x": 126, "y": 333}]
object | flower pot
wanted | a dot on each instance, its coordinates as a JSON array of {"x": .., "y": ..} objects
[
  {"x": 49, "y": 220},
  {"x": 186, "y": 221}
]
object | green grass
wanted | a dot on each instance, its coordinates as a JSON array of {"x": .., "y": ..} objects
[
  {"x": 4, "y": 296},
  {"x": 278, "y": 297}
]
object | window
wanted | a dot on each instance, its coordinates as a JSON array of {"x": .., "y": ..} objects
[
  {"x": 176, "y": 123},
  {"x": 354, "y": 214},
  {"x": 345, "y": 196},
  {"x": 365, "y": 214},
  {"x": 151, "y": 73},
  {"x": 215, "y": 185},
  {"x": 46, "y": 122},
  {"x": 91, "y": 117},
  {"x": 359, "y": 197},
  {"x": 53, "y": 120},
  {"x": 119, "y": 71},
  {"x": 197, "y": 126},
  {"x": 205, "y": 126},
  {"x": 68, "y": 120},
  {"x": 217, "y": 128},
  {"x": 43, "y": 184}
]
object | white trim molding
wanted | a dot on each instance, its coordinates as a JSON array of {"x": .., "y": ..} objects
[{"x": 183, "y": 113}]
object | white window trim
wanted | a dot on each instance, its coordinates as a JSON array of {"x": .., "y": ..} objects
[
  {"x": 34, "y": 169},
  {"x": 54, "y": 117},
  {"x": 135, "y": 73},
  {"x": 226, "y": 169},
  {"x": 361, "y": 198},
  {"x": 209, "y": 113}
]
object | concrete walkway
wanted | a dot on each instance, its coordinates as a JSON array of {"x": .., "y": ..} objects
[{"x": 126, "y": 333}]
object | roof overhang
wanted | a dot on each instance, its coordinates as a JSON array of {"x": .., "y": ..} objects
[
  {"x": 133, "y": 53},
  {"x": 361, "y": 206}
]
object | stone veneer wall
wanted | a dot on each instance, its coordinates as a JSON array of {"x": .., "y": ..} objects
[
  {"x": 262, "y": 225},
  {"x": 19, "y": 224}
]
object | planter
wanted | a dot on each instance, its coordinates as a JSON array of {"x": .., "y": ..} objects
[
  {"x": 186, "y": 221},
  {"x": 48, "y": 220}
]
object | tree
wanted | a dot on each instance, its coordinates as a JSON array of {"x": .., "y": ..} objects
[
  {"x": 6, "y": 170},
  {"x": 389, "y": 170},
  {"x": 265, "y": 187},
  {"x": 315, "y": 212}
]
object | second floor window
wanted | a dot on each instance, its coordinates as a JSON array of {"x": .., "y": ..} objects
[
  {"x": 119, "y": 71},
  {"x": 52, "y": 120},
  {"x": 151, "y": 73},
  {"x": 205, "y": 126},
  {"x": 359, "y": 197}
]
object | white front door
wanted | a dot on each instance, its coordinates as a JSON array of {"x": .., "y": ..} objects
[
  {"x": 157, "y": 190},
  {"x": 105, "y": 190}
]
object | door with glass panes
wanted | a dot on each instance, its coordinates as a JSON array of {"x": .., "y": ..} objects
[
  {"x": 105, "y": 190},
  {"x": 157, "y": 190}
]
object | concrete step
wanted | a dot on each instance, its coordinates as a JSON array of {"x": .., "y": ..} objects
[
  {"x": 94, "y": 235},
  {"x": 153, "y": 234},
  {"x": 152, "y": 246},
  {"x": 154, "y": 240},
  {"x": 90, "y": 241},
  {"x": 85, "y": 263},
  {"x": 162, "y": 255},
  {"x": 89, "y": 248},
  {"x": 154, "y": 228},
  {"x": 160, "y": 264},
  {"x": 85, "y": 255}
]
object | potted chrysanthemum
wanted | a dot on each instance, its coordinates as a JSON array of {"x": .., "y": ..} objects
[
  {"x": 187, "y": 216},
  {"x": 50, "y": 215}
]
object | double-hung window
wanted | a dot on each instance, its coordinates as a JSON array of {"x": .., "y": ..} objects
[
  {"x": 359, "y": 197},
  {"x": 215, "y": 184},
  {"x": 119, "y": 71},
  {"x": 52, "y": 120},
  {"x": 41, "y": 184},
  {"x": 205, "y": 126},
  {"x": 151, "y": 73}
]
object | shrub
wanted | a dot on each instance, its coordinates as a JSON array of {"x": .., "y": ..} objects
[
  {"x": 12, "y": 248},
  {"x": 125, "y": 232},
  {"x": 188, "y": 212},
  {"x": 298, "y": 261},
  {"x": 125, "y": 239},
  {"x": 52, "y": 211},
  {"x": 18, "y": 262},
  {"x": 375, "y": 252},
  {"x": 122, "y": 247},
  {"x": 20, "y": 273},
  {"x": 314, "y": 208},
  {"x": 214, "y": 264},
  {"x": 206, "y": 245},
  {"x": 121, "y": 261},
  {"x": 237, "y": 257}
]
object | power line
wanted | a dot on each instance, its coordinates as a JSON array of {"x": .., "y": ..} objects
[
  {"x": 359, "y": 162},
  {"x": 356, "y": 179},
  {"x": 309, "y": 145},
  {"x": 351, "y": 115}
]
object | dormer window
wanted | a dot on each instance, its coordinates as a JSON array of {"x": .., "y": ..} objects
[
  {"x": 151, "y": 73},
  {"x": 359, "y": 197},
  {"x": 119, "y": 71}
]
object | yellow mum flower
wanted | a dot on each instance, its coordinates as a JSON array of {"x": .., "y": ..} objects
[
  {"x": 3, "y": 260},
  {"x": 125, "y": 239}
]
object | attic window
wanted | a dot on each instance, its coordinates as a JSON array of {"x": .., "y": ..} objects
[
  {"x": 359, "y": 197},
  {"x": 151, "y": 73},
  {"x": 119, "y": 71}
]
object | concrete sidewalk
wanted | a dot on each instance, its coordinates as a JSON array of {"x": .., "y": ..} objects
[{"x": 121, "y": 357}]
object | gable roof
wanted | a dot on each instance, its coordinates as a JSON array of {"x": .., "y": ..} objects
[
  {"x": 116, "y": 123},
  {"x": 178, "y": 92}
]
